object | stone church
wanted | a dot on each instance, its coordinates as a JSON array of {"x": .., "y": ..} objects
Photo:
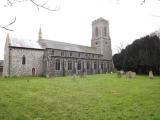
[{"x": 52, "y": 58}]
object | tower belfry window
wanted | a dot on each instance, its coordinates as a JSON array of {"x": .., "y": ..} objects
[
  {"x": 105, "y": 31},
  {"x": 96, "y": 31}
]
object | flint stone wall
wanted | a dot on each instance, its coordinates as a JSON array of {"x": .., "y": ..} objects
[{"x": 34, "y": 59}]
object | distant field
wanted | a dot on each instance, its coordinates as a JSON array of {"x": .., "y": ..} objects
[{"x": 96, "y": 97}]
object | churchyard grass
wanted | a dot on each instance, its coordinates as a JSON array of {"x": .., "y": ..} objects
[{"x": 95, "y": 97}]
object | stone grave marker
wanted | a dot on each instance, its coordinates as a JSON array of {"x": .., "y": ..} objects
[{"x": 151, "y": 74}]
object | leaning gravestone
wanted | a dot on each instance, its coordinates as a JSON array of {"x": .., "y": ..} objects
[{"x": 150, "y": 74}]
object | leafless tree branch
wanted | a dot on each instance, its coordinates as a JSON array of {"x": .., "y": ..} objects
[
  {"x": 120, "y": 47},
  {"x": 12, "y": 2},
  {"x": 6, "y": 26},
  {"x": 43, "y": 6},
  {"x": 143, "y": 2},
  {"x": 155, "y": 15}
]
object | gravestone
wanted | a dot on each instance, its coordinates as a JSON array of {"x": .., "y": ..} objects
[
  {"x": 150, "y": 74},
  {"x": 122, "y": 72},
  {"x": 133, "y": 74},
  {"x": 74, "y": 77},
  {"x": 119, "y": 75},
  {"x": 129, "y": 74}
]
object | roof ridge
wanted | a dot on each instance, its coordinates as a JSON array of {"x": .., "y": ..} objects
[{"x": 69, "y": 43}]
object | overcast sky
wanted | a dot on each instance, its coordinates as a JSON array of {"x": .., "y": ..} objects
[{"x": 128, "y": 20}]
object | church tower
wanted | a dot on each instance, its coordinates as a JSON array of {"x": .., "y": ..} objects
[{"x": 101, "y": 38}]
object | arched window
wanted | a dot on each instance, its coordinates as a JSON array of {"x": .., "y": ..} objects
[
  {"x": 95, "y": 65},
  {"x": 105, "y": 31},
  {"x": 79, "y": 65},
  {"x": 23, "y": 60},
  {"x": 62, "y": 53},
  {"x": 52, "y": 52},
  {"x": 79, "y": 55},
  {"x": 57, "y": 64},
  {"x": 96, "y": 31},
  {"x": 88, "y": 65},
  {"x": 70, "y": 54},
  {"x": 102, "y": 66},
  {"x": 108, "y": 67},
  {"x": 69, "y": 65}
]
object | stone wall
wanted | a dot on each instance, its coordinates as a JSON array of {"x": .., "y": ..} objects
[
  {"x": 33, "y": 60},
  {"x": 52, "y": 55}
]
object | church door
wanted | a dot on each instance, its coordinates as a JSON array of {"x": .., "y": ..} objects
[{"x": 33, "y": 71}]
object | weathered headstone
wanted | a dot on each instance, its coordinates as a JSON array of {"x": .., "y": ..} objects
[
  {"x": 150, "y": 74},
  {"x": 119, "y": 75},
  {"x": 85, "y": 75},
  {"x": 129, "y": 74},
  {"x": 74, "y": 77},
  {"x": 47, "y": 76},
  {"x": 133, "y": 74},
  {"x": 122, "y": 72}
]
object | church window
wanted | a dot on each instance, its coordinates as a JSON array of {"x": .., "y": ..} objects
[
  {"x": 95, "y": 65},
  {"x": 57, "y": 64},
  {"x": 79, "y": 65},
  {"x": 96, "y": 31},
  {"x": 23, "y": 60},
  {"x": 70, "y": 54},
  {"x": 104, "y": 31},
  {"x": 102, "y": 66},
  {"x": 105, "y": 42},
  {"x": 52, "y": 52},
  {"x": 92, "y": 55},
  {"x": 79, "y": 55},
  {"x": 69, "y": 65},
  {"x": 62, "y": 53},
  {"x": 88, "y": 65},
  {"x": 96, "y": 43}
]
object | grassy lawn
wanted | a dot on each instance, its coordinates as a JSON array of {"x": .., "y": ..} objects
[{"x": 96, "y": 97}]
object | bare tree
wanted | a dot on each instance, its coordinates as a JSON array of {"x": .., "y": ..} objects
[
  {"x": 142, "y": 1},
  {"x": 9, "y": 24},
  {"x": 38, "y": 6},
  {"x": 120, "y": 47}
]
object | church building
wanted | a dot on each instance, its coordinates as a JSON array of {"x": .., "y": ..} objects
[{"x": 52, "y": 58}]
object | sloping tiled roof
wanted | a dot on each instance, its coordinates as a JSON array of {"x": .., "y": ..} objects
[
  {"x": 1, "y": 62},
  {"x": 68, "y": 46},
  {"x": 24, "y": 43}
]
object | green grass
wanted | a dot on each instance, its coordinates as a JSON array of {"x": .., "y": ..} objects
[{"x": 96, "y": 97}]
